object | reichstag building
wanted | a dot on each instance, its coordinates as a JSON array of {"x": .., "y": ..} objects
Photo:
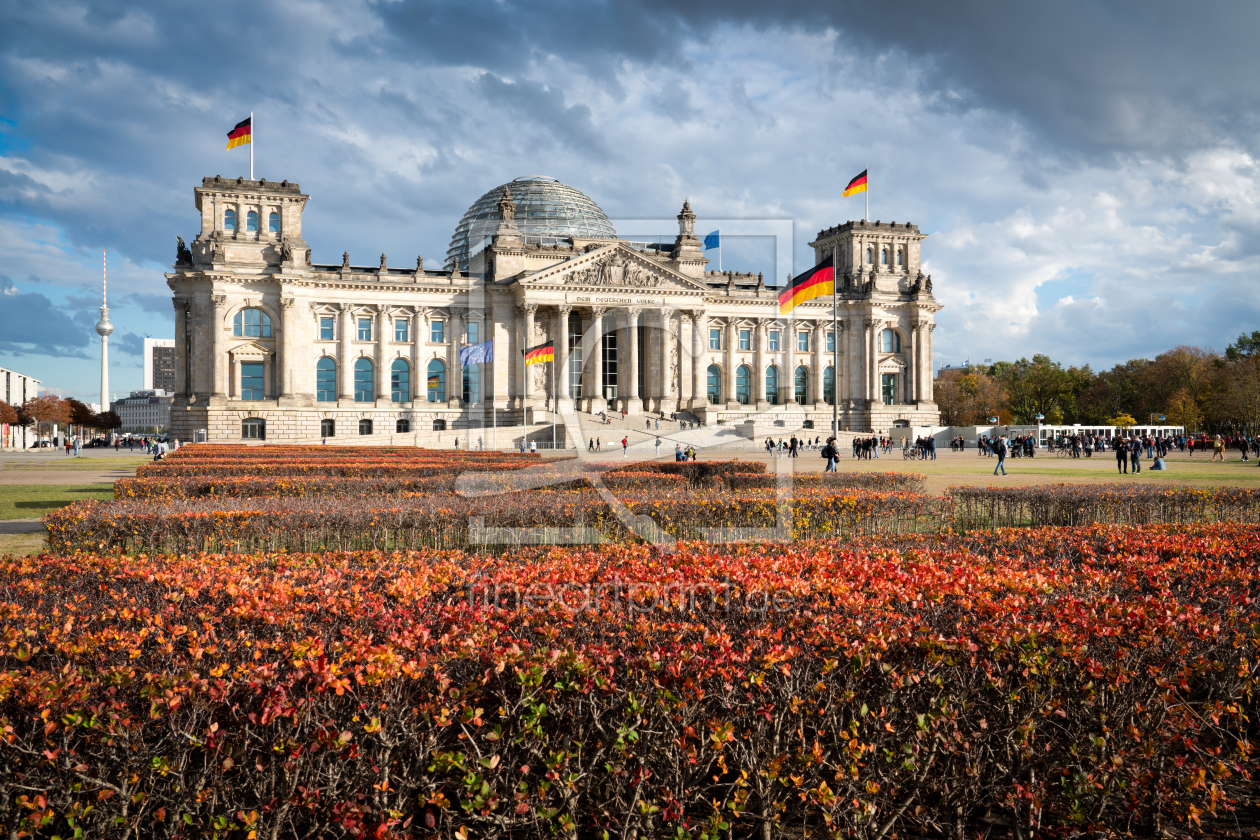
[{"x": 271, "y": 346}]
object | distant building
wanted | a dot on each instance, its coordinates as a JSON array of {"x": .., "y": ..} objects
[
  {"x": 18, "y": 388},
  {"x": 159, "y": 364},
  {"x": 144, "y": 411}
]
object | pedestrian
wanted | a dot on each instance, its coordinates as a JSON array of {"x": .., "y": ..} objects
[
  {"x": 1218, "y": 448},
  {"x": 590, "y": 445},
  {"x": 457, "y": 445},
  {"x": 1135, "y": 455},
  {"x": 598, "y": 445},
  {"x": 479, "y": 447},
  {"x": 792, "y": 445},
  {"x": 1000, "y": 450},
  {"x": 1122, "y": 459},
  {"x": 625, "y": 447},
  {"x": 830, "y": 454},
  {"x": 533, "y": 446}
]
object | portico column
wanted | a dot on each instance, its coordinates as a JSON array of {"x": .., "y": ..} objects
[
  {"x": 218, "y": 354},
  {"x": 911, "y": 388},
  {"x": 633, "y": 403},
  {"x": 454, "y": 370},
  {"x": 820, "y": 364},
  {"x": 345, "y": 364},
  {"x": 592, "y": 356},
  {"x": 560, "y": 370},
  {"x": 732, "y": 342},
  {"x": 182, "y": 386},
  {"x": 759, "y": 377},
  {"x": 872, "y": 364},
  {"x": 927, "y": 395},
  {"x": 790, "y": 357},
  {"x": 383, "y": 394},
  {"x": 669, "y": 400},
  {"x": 419, "y": 375},
  {"x": 699, "y": 343},
  {"x": 285, "y": 356},
  {"x": 527, "y": 312}
]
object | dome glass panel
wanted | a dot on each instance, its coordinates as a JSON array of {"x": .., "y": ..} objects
[{"x": 547, "y": 212}]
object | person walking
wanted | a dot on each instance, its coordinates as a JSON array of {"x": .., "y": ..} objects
[
  {"x": 1122, "y": 458},
  {"x": 829, "y": 454},
  {"x": 999, "y": 449},
  {"x": 1218, "y": 448},
  {"x": 792, "y": 445},
  {"x": 1135, "y": 455},
  {"x": 590, "y": 445},
  {"x": 625, "y": 447},
  {"x": 658, "y": 446},
  {"x": 533, "y": 447}
]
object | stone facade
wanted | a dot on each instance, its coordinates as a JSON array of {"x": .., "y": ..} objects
[{"x": 256, "y": 322}]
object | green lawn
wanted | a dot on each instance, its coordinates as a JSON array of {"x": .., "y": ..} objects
[
  {"x": 31, "y": 501},
  {"x": 99, "y": 464}
]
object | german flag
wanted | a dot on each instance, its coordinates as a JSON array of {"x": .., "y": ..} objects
[
  {"x": 242, "y": 134},
  {"x": 818, "y": 281},
  {"x": 856, "y": 186},
  {"x": 435, "y": 380},
  {"x": 541, "y": 354}
]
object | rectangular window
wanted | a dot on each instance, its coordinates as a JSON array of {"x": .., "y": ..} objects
[
  {"x": 365, "y": 329},
  {"x": 437, "y": 332},
  {"x": 831, "y": 342},
  {"x": 774, "y": 340},
  {"x": 888, "y": 382},
  {"x": 471, "y": 335},
  {"x": 715, "y": 339},
  {"x": 745, "y": 339},
  {"x": 802, "y": 342},
  {"x": 400, "y": 330},
  {"x": 325, "y": 329},
  {"x": 251, "y": 380}
]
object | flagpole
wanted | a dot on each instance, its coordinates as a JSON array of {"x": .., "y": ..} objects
[
  {"x": 555, "y": 397},
  {"x": 251, "y": 146},
  {"x": 719, "y": 250},
  {"x": 835, "y": 342},
  {"x": 866, "y": 217}
]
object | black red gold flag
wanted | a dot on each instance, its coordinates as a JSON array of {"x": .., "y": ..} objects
[
  {"x": 241, "y": 134},
  {"x": 818, "y": 281},
  {"x": 540, "y": 354}
]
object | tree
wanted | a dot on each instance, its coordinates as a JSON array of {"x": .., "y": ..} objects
[
  {"x": 969, "y": 397},
  {"x": 1035, "y": 387},
  {"x": 107, "y": 420},
  {"x": 8, "y": 414},
  {"x": 47, "y": 412},
  {"x": 1123, "y": 421},
  {"x": 81, "y": 414}
]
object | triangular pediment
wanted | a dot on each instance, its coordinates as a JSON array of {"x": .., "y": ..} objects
[
  {"x": 614, "y": 266},
  {"x": 250, "y": 350}
]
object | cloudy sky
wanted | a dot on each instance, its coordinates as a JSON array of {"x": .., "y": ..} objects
[{"x": 1087, "y": 171}]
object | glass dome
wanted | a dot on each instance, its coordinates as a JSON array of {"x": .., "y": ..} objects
[{"x": 547, "y": 211}]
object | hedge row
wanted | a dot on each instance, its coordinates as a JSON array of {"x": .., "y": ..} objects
[
  {"x": 1082, "y": 504},
  {"x": 453, "y": 521},
  {"x": 262, "y": 487},
  {"x": 1074, "y": 683},
  {"x": 906, "y": 482}
]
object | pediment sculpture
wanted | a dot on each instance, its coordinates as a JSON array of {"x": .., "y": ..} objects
[{"x": 617, "y": 270}]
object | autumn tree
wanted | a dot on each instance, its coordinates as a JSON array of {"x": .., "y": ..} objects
[
  {"x": 969, "y": 397},
  {"x": 1040, "y": 386},
  {"x": 47, "y": 412},
  {"x": 8, "y": 414}
]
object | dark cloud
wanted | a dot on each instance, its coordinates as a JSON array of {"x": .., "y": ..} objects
[
  {"x": 31, "y": 323},
  {"x": 155, "y": 303},
  {"x": 129, "y": 343},
  {"x": 545, "y": 109}
]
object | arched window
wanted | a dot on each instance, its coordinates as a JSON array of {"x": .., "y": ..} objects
[
  {"x": 326, "y": 381},
  {"x": 402, "y": 426},
  {"x": 253, "y": 428},
  {"x": 472, "y": 384},
  {"x": 870, "y": 254},
  {"x": 772, "y": 385},
  {"x": 400, "y": 381},
  {"x": 229, "y": 220},
  {"x": 829, "y": 386},
  {"x": 365, "y": 427},
  {"x": 364, "y": 391},
  {"x": 801, "y": 385},
  {"x": 743, "y": 384},
  {"x": 437, "y": 381},
  {"x": 251, "y": 220},
  {"x": 327, "y": 428},
  {"x": 883, "y": 256},
  {"x": 273, "y": 223},
  {"x": 890, "y": 341},
  {"x": 901, "y": 256},
  {"x": 714, "y": 385},
  {"x": 251, "y": 323}
]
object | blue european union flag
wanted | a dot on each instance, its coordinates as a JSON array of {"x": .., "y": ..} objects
[
  {"x": 475, "y": 354},
  {"x": 711, "y": 241}
]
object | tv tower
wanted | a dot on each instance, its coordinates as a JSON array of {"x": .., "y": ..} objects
[{"x": 103, "y": 329}]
